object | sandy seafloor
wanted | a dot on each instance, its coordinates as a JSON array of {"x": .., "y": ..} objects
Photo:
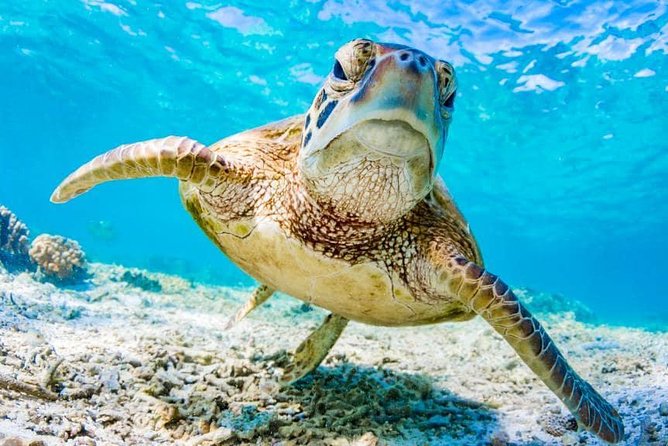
[{"x": 139, "y": 358}]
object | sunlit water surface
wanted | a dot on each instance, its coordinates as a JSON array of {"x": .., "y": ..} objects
[{"x": 557, "y": 155}]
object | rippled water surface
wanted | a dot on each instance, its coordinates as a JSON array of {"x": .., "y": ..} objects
[{"x": 557, "y": 155}]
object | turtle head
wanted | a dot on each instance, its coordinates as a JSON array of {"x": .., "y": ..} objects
[{"x": 375, "y": 132}]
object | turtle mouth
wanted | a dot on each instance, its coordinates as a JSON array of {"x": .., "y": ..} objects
[{"x": 393, "y": 138}]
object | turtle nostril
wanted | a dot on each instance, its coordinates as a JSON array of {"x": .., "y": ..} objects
[
  {"x": 422, "y": 61},
  {"x": 404, "y": 56}
]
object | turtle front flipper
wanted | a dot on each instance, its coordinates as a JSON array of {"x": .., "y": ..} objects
[
  {"x": 313, "y": 350},
  {"x": 259, "y": 296},
  {"x": 178, "y": 157},
  {"x": 491, "y": 298}
]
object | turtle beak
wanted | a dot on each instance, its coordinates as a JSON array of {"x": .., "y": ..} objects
[
  {"x": 402, "y": 86},
  {"x": 401, "y": 79}
]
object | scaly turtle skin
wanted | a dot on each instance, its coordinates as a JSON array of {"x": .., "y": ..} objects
[{"x": 342, "y": 208}]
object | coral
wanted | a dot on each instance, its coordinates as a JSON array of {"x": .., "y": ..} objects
[
  {"x": 541, "y": 302},
  {"x": 14, "y": 241},
  {"x": 140, "y": 280},
  {"x": 58, "y": 259},
  {"x": 557, "y": 425}
]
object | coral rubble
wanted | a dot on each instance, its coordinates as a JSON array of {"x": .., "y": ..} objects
[{"x": 98, "y": 366}]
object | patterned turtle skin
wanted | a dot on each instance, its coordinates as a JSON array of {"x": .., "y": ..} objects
[{"x": 342, "y": 208}]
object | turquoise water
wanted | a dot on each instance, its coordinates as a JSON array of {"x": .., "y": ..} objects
[{"x": 557, "y": 155}]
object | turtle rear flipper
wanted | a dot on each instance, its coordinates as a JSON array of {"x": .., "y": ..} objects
[
  {"x": 313, "y": 349},
  {"x": 259, "y": 296},
  {"x": 179, "y": 157},
  {"x": 491, "y": 298}
]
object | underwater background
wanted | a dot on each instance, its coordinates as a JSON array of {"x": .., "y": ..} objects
[{"x": 557, "y": 154}]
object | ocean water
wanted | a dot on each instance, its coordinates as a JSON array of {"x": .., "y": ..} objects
[{"x": 557, "y": 154}]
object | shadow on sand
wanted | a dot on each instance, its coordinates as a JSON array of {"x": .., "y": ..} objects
[{"x": 347, "y": 401}]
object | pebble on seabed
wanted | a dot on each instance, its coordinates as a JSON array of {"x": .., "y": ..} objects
[{"x": 663, "y": 409}]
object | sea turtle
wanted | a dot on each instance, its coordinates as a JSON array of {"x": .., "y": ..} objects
[{"x": 342, "y": 208}]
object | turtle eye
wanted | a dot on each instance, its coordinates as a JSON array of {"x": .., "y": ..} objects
[
  {"x": 338, "y": 71},
  {"x": 351, "y": 61},
  {"x": 450, "y": 101},
  {"x": 447, "y": 84}
]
